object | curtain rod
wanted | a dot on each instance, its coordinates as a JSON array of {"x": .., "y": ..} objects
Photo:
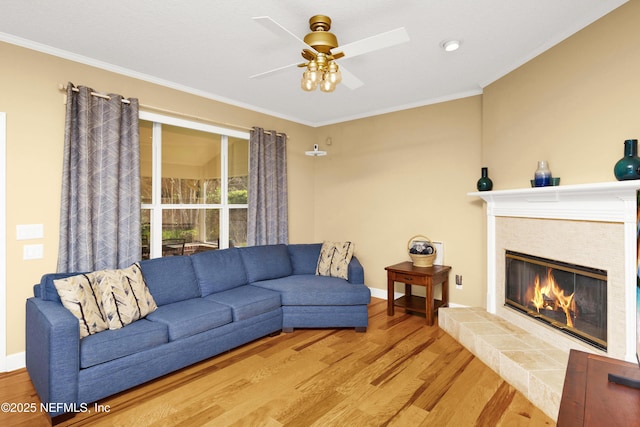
[
  {"x": 165, "y": 111},
  {"x": 97, "y": 94}
]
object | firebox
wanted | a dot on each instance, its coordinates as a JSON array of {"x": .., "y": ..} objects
[{"x": 569, "y": 297}]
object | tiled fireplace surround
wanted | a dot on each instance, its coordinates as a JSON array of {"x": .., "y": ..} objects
[{"x": 593, "y": 225}]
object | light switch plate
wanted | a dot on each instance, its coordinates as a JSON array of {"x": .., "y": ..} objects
[
  {"x": 29, "y": 231},
  {"x": 33, "y": 251}
]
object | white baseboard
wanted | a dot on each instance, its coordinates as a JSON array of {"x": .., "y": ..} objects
[
  {"x": 378, "y": 293},
  {"x": 454, "y": 305},
  {"x": 382, "y": 293},
  {"x": 15, "y": 361}
]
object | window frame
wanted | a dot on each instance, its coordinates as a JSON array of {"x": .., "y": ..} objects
[{"x": 156, "y": 206}]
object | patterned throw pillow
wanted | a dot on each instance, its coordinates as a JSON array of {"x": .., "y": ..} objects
[
  {"x": 125, "y": 295},
  {"x": 334, "y": 259},
  {"x": 83, "y": 300},
  {"x": 106, "y": 299}
]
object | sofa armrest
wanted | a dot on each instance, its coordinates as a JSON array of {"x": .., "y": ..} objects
[
  {"x": 52, "y": 352},
  {"x": 356, "y": 272}
]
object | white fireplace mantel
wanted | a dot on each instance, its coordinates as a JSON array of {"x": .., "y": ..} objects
[
  {"x": 614, "y": 202},
  {"x": 606, "y": 201}
]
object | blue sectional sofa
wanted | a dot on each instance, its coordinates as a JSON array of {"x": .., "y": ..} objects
[{"x": 207, "y": 303}]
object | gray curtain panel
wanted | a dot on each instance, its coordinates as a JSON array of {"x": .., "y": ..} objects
[
  {"x": 267, "y": 217},
  {"x": 100, "y": 213}
]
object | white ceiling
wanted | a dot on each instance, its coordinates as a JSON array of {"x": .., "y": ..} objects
[{"x": 211, "y": 47}]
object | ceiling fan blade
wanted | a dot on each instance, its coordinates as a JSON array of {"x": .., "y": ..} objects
[
  {"x": 370, "y": 44},
  {"x": 279, "y": 30},
  {"x": 275, "y": 70},
  {"x": 350, "y": 80}
]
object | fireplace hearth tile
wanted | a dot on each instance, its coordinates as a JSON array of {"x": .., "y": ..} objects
[
  {"x": 467, "y": 316},
  {"x": 533, "y": 360},
  {"x": 467, "y": 338},
  {"x": 539, "y": 343},
  {"x": 560, "y": 356},
  {"x": 531, "y": 365},
  {"x": 543, "y": 386},
  {"x": 484, "y": 328},
  {"x": 488, "y": 354},
  {"x": 508, "y": 327},
  {"x": 506, "y": 342},
  {"x": 463, "y": 317},
  {"x": 515, "y": 374}
]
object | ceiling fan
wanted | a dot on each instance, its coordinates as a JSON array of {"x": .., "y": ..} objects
[{"x": 320, "y": 49}]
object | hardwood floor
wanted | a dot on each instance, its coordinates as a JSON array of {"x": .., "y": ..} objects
[{"x": 399, "y": 373}]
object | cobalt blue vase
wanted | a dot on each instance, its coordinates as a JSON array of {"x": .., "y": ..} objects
[{"x": 542, "y": 175}]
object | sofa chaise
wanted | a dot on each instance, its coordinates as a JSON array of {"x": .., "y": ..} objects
[{"x": 207, "y": 303}]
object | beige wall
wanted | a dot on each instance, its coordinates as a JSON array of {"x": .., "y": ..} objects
[
  {"x": 573, "y": 106},
  {"x": 386, "y": 178}
]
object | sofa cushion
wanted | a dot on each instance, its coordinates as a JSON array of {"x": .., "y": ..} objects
[
  {"x": 112, "y": 344},
  {"x": 125, "y": 295},
  {"x": 304, "y": 257},
  {"x": 334, "y": 259},
  {"x": 219, "y": 270},
  {"x": 307, "y": 289},
  {"x": 47, "y": 289},
  {"x": 247, "y": 301},
  {"x": 190, "y": 317},
  {"x": 266, "y": 262},
  {"x": 82, "y": 297},
  {"x": 170, "y": 279}
]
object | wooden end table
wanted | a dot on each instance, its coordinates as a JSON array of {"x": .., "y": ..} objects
[{"x": 428, "y": 277}]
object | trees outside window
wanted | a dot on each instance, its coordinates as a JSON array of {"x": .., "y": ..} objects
[{"x": 194, "y": 181}]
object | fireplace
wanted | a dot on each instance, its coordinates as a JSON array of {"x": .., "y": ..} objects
[
  {"x": 569, "y": 297},
  {"x": 592, "y": 225}
]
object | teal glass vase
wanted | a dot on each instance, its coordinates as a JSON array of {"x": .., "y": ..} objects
[
  {"x": 484, "y": 183},
  {"x": 628, "y": 167}
]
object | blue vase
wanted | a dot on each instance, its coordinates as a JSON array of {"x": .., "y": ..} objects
[
  {"x": 542, "y": 176},
  {"x": 628, "y": 167},
  {"x": 484, "y": 183}
]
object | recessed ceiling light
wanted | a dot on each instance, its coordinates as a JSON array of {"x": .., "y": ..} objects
[{"x": 451, "y": 45}]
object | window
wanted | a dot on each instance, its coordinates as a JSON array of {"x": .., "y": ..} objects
[{"x": 194, "y": 182}]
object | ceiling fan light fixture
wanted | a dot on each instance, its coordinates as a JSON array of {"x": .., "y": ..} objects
[
  {"x": 321, "y": 71},
  {"x": 307, "y": 85},
  {"x": 321, "y": 45},
  {"x": 334, "y": 74},
  {"x": 313, "y": 72},
  {"x": 327, "y": 86},
  {"x": 451, "y": 45}
]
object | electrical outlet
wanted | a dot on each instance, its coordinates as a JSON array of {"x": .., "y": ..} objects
[{"x": 458, "y": 281}]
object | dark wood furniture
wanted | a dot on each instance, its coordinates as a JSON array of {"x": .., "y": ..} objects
[
  {"x": 428, "y": 277},
  {"x": 589, "y": 399}
]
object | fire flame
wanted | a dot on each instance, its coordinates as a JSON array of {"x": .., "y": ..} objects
[{"x": 549, "y": 296}]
